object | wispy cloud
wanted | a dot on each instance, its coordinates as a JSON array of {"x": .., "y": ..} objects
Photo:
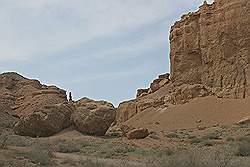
[
  {"x": 102, "y": 49},
  {"x": 39, "y": 27}
]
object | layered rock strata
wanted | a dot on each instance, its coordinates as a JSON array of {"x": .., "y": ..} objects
[{"x": 209, "y": 55}]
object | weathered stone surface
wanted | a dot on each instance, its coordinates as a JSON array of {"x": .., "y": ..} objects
[
  {"x": 38, "y": 106},
  {"x": 155, "y": 85},
  {"x": 45, "y": 121},
  {"x": 21, "y": 96},
  {"x": 6, "y": 120},
  {"x": 125, "y": 111},
  {"x": 93, "y": 117},
  {"x": 211, "y": 47},
  {"x": 209, "y": 55},
  {"x": 139, "y": 133},
  {"x": 142, "y": 92},
  {"x": 184, "y": 93}
]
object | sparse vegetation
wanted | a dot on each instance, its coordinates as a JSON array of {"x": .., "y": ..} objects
[
  {"x": 196, "y": 140},
  {"x": 3, "y": 140},
  {"x": 40, "y": 154},
  {"x": 243, "y": 148},
  {"x": 68, "y": 147},
  {"x": 172, "y": 135},
  {"x": 39, "y": 157},
  {"x": 211, "y": 136}
]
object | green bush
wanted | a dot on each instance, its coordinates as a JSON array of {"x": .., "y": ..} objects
[{"x": 68, "y": 147}]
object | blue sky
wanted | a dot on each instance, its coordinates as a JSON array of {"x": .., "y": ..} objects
[{"x": 94, "y": 48}]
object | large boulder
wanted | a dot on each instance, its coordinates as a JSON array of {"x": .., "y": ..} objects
[
  {"x": 93, "y": 117},
  {"x": 45, "y": 121},
  {"x": 139, "y": 133}
]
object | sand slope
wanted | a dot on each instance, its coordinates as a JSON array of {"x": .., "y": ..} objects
[{"x": 210, "y": 110}]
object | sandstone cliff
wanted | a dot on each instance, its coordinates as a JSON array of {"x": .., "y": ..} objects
[
  {"x": 209, "y": 56},
  {"x": 212, "y": 46}
]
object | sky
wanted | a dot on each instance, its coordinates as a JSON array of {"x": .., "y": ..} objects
[{"x": 99, "y": 49}]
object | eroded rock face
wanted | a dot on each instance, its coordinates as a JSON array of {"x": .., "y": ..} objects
[
  {"x": 184, "y": 93},
  {"x": 43, "y": 110},
  {"x": 209, "y": 55},
  {"x": 21, "y": 96},
  {"x": 155, "y": 85},
  {"x": 93, "y": 117},
  {"x": 45, "y": 121},
  {"x": 125, "y": 111},
  {"x": 212, "y": 46}
]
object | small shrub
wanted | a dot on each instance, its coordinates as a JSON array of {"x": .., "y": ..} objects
[
  {"x": 19, "y": 141},
  {"x": 230, "y": 139},
  {"x": 243, "y": 148},
  {"x": 172, "y": 135},
  {"x": 211, "y": 136},
  {"x": 164, "y": 152},
  {"x": 40, "y": 157},
  {"x": 208, "y": 143},
  {"x": 124, "y": 150},
  {"x": 90, "y": 163},
  {"x": 68, "y": 162},
  {"x": 196, "y": 140},
  {"x": 68, "y": 147},
  {"x": 244, "y": 139},
  {"x": 3, "y": 141}
]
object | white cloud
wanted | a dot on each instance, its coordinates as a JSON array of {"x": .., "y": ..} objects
[{"x": 39, "y": 27}]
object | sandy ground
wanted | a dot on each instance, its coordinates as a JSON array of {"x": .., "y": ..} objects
[{"x": 206, "y": 111}]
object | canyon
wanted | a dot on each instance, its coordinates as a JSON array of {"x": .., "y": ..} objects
[{"x": 206, "y": 92}]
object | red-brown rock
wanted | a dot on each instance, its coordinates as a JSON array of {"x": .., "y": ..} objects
[
  {"x": 211, "y": 47},
  {"x": 140, "y": 133},
  {"x": 93, "y": 117},
  {"x": 45, "y": 121}
]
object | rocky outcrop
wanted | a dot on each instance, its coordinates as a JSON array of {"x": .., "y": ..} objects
[
  {"x": 21, "y": 96},
  {"x": 155, "y": 85},
  {"x": 212, "y": 46},
  {"x": 125, "y": 111},
  {"x": 37, "y": 108},
  {"x": 184, "y": 93},
  {"x": 93, "y": 117},
  {"x": 6, "y": 120},
  {"x": 209, "y": 55},
  {"x": 45, "y": 121}
]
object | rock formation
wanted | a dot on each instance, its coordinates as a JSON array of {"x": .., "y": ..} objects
[
  {"x": 38, "y": 110},
  {"x": 93, "y": 117},
  {"x": 21, "y": 96},
  {"x": 209, "y": 55},
  {"x": 155, "y": 85},
  {"x": 32, "y": 102},
  {"x": 212, "y": 46},
  {"x": 139, "y": 133},
  {"x": 45, "y": 121}
]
